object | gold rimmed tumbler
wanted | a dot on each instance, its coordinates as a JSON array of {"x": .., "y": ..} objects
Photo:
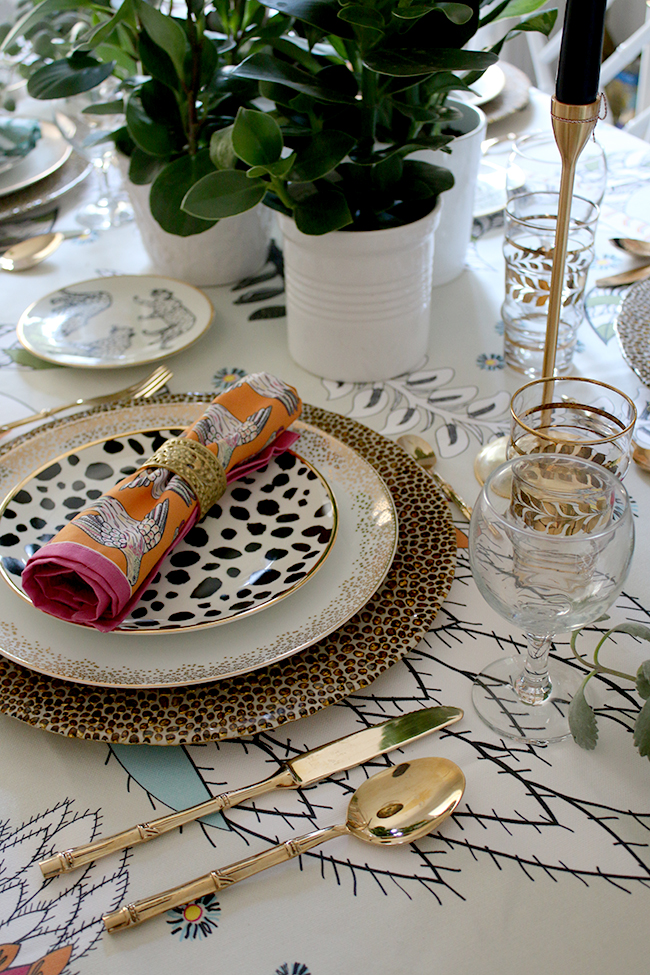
[{"x": 575, "y": 417}]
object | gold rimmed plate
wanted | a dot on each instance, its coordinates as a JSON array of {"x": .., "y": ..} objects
[
  {"x": 354, "y": 568},
  {"x": 352, "y": 655},
  {"x": 268, "y": 535}
]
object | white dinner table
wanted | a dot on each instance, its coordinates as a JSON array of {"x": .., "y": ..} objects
[{"x": 544, "y": 865}]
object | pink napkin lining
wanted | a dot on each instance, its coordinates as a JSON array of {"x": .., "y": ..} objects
[{"x": 80, "y": 585}]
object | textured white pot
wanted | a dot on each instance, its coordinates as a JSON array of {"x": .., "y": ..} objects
[
  {"x": 227, "y": 252},
  {"x": 455, "y": 229},
  {"x": 359, "y": 302}
]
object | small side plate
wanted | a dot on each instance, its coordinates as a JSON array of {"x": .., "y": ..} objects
[
  {"x": 50, "y": 152},
  {"x": 109, "y": 323}
]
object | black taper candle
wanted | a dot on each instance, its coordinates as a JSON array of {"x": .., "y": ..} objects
[{"x": 578, "y": 71}]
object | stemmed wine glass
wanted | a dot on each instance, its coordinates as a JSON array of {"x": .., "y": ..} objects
[
  {"x": 88, "y": 131},
  {"x": 550, "y": 546}
]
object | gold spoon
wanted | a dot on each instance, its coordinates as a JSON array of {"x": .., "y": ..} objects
[
  {"x": 422, "y": 452},
  {"x": 625, "y": 277},
  {"x": 640, "y": 248},
  {"x": 397, "y": 805},
  {"x": 28, "y": 253},
  {"x": 641, "y": 456}
]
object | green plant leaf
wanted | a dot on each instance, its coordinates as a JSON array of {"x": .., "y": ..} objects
[
  {"x": 69, "y": 76},
  {"x": 154, "y": 133},
  {"x": 157, "y": 62},
  {"x": 643, "y": 680},
  {"x": 104, "y": 29},
  {"x": 115, "y": 107},
  {"x": 223, "y": 194},
  {"x": 165, "y": 32},
  {"x": 42, "y": 12},
  {"x": 639, "y": 630},
  {"x": 143, "y": 168},
  {"x": 170, "y": 187},
  {"x": 513, "y": 8},
  {"x": 264, "y": 67},
  {"x": 319, "y": 13},
  {"x": 402, "y": 60},
  {"x": 582, "y": 720},
  {"x": 222, "y": 152},
  {"x": 642, "y": 730},
  {"x": 257, "y": 138},
  {"x": 457, "y": 13},
  {"x": 323, "y": 154},
  {"x": 324, "y": 211},
  {"x": 432, "y": 180},
  {"x": 362, "y": 16}
]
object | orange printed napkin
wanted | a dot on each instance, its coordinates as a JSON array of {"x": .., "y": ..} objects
[{"x": 94, "y": 570}]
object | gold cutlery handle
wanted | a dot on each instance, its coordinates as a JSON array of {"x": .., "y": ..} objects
[
  {"x": 79, "y": 856},
  {"x": 139, "y": 911},
  {"x": 451, "y": 495},
  {"x": 625, "y": 277}
]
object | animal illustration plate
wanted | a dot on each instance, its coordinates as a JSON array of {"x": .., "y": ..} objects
[
  {"x": 112, "y": 322},
  {"x": 49, "y": 154},
  {"x": 267, "y": 535},
  {"x": 354, "y": 569},
  {"x": 633, "y": 329}
]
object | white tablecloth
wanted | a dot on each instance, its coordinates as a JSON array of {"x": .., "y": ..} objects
[{"x": 545, "y": 865}]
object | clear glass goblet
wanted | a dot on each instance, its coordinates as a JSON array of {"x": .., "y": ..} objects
[
  {"x": 573, "y": 416},
  {"x": 550, "y": 545},
  {"x": 89, "y": 132}
]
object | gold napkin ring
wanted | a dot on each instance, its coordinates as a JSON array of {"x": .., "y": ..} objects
[{"x": 196, "y": 464}]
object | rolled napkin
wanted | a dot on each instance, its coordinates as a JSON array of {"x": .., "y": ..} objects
[
  {"x": 18, "y": 136},
  {"x": 94, "y": 570}
]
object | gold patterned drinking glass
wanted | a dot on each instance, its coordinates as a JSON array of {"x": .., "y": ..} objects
[
  {"x": 575, "y": 417},
  {"x": 529, "y": 249}
]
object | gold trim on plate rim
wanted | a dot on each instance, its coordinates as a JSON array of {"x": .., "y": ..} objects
[{"x": 390, "y": 624}]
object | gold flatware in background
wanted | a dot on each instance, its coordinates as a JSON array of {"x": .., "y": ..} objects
[
  {"x": 28, "y": 253},
  {"x": 641, "y": 456},
  {"x": 424, "y": 454},
  {"x": 140, "y": 390},
  {"x": 397, "y": 805},
  {"x": 297, "y": 773},
  {"x": 640, "y": 248},
  {"x": 625, "y": 277}
]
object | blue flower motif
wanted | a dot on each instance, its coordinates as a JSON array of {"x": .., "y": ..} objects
[
  {"x": 226, "y": 377},
  {"x": 490, "y": 362}
]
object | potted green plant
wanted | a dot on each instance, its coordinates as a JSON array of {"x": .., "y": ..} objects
[
  {"x": 175, "y": 93},
  {"x": 355, "y": 90}
]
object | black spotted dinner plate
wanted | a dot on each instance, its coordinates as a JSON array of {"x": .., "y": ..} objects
[{"x": 266, "y": 536}]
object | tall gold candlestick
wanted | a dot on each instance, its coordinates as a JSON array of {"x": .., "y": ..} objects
[{"x": 572, "y": 126}]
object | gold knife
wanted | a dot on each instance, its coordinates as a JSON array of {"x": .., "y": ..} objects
[
  {"x": 297, "y": 773},
  {"x": 625, "y": 277}
]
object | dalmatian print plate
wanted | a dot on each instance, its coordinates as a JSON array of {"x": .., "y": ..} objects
[
  {"x": 112, "y": 322},
  {"x": 265, "y": 537},
  {"x": 347, "y": 578}
]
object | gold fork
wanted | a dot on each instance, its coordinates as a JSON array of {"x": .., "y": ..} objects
[{"x": 140, "y": 390}]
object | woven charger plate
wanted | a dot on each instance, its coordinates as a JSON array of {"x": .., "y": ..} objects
[
  {"x": 632, "y": 328},
  {"x": 392, "y": 622}
]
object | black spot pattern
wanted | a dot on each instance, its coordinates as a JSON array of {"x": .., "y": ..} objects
[{"x": 252, "y": 547}]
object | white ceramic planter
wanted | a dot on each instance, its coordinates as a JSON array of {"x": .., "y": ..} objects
[
  {"x": 359, "y": 303},
  {"x": 455, "y": 229},
  {"x": 227, "y": 252}
]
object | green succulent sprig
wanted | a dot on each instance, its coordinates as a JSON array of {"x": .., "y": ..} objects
[{"x": 582, "y": 719}]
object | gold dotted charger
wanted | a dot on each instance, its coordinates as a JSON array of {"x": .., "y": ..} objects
[{"x": 381, "y": 633}]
